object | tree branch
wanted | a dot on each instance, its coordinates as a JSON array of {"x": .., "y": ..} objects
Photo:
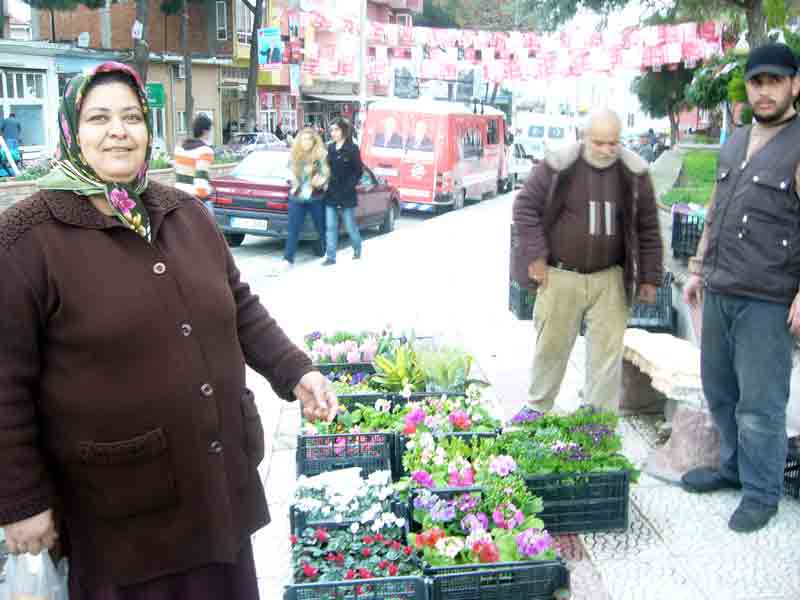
[{"x": 250, "y": 6}]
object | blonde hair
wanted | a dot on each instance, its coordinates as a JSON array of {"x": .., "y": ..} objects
[{"x": 301, "y": 157}]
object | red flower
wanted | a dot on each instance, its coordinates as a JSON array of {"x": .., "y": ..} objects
[
  {"x": 366, "y": 552},
  {"x": 321, "y": 536},
  {"x": 367, "y": 539},
  {"x": 292, "y": 539},
  {"x": 364, "y": 574},
  {"x": 408, "y": 550},
  {"x": 388, "y": 543},
  {"x": 351, "y": 574},
  {"x": 340, "y": 558},
  {"x": 488, "y": 552},
  {"x": 410, "y": 429},
  {"x": 379, "y": 537},
  {"x": 310, "y": 571},
  {"x": 393, "y": 570},
  {"x": 383, "y": 564},
  {"x": 395, "y": 545}
]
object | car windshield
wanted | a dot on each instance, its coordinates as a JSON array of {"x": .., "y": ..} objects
[
  {"x": 556, "y": 133},
  {"x": 536, "y": 131},
  {"x": 265, "y": 165},
  {"x": 245, "y": 138}
]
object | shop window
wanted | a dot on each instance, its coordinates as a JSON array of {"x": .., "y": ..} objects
[
  {"x": 493, "y": 134},
  {"x": 222, "y": 21}
]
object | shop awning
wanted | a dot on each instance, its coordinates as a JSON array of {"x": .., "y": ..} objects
[{"x": 329, "y": 98}]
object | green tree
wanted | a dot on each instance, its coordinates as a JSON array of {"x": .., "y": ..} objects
[
  {"x": 62, "y": 6},
  {"x": 661, "y": 94}
]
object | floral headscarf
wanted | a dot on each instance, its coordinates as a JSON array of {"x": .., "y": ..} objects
[{"x": 73, "y": 173}]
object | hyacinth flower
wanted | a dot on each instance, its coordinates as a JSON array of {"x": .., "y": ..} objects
[{"x": 526, "y": 415}]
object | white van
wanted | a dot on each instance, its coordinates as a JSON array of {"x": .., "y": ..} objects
[{"x": 540, "y": 133}]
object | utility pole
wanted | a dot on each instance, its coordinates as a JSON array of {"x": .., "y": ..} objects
[{"x": 362, "y": 51}]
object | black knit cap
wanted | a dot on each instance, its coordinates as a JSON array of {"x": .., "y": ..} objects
[{"x": 777, "y": 59}]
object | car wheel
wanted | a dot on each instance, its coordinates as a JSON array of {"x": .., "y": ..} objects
[
  {"x": 460, "y": 199},
  {"x": 514, "y": 182},
  {"x": 390, "y": 217},
  {"x": 234, "y": 239}
]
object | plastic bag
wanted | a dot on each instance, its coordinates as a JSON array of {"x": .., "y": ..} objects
[{"x": 30, "y": 577}]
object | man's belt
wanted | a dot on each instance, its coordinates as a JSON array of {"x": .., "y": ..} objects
[{"x": 557, "y": 264}]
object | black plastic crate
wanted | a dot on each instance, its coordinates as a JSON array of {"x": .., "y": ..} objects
[
  {"x": 791, "y": 476},
  {"x": 686, "y": 232},
  {"x": 530, "y": 580},
  {"x": 399, "y": 471},
  {"x": 660, "y": 317},
  {"x": 583, "y": 502},
  {"x": 298, "y": 521},
  {"x": 520, "y": 301},
  {"x": 319, "y": 453},
  {"x": 326, "y": 368},
  {"x": 389, "y": 588}
]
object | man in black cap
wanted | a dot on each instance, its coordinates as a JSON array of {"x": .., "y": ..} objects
[{"x": 746, "y": 274}]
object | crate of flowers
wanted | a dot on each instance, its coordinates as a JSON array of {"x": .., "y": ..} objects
[
  {"x": 574, "y": 463},
  {"x": 338, "y": 499},
  {"x": 486, "y": 542},
  {"x": 792, "y": 472},
  {"x": 343, "y": 348},
  {"x": 320, "y": 453}
]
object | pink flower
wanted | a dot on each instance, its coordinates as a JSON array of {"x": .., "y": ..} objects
[
  {"x": 416, "y": 416},
  {"x": 368, "y": 351},
  {"x": 353, "y": 356},
  {"x": 121, "y": 201},
  {"x": 460, "y": 420},
  {"x": 423, "y": 478},
  {"x": 461, "y": 479}
]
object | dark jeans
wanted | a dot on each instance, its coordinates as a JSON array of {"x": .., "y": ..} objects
[
  {"x": 297, "y": 218},
  {"x": 746, "y": 365}
]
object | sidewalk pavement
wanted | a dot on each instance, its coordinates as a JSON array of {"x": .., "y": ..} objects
[{"x": 449, "y": 277}]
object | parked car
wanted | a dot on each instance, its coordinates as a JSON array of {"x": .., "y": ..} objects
[
  {"x": 253, "y": 200},
  {"x": 520, "y": 163},
  {"x": 245, "y": 143}
]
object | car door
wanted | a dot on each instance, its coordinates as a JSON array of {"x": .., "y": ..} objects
[{"x": 369, "y": 198}]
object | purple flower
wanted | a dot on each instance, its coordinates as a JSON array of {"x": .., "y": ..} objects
[
  {"x": 358, "y": 377},
  {"x": 568, "y": 450},
  {"x": 507, "y": 516},
  {"x": 121, "y": 201},
  {"x": 425, "y": 501},
  {"x": 526, "y": 415},
  {"x": 423, "y": 478},
  {"x": 466, "y": 503},
  {"x": 443, "y": 511},
  {"x": 597, "y": 432},
  {"x": 416, "y": 416},
  {"x": 473, "y": 522},
  {"x": 533, "y": 542},
  {"x": 502, "y": 465}
]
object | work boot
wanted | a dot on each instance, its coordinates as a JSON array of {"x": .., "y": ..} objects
[
  {"x": 751, "y": 516},
  {"x": 706, "y": 479}
]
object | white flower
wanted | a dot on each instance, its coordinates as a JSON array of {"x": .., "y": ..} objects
[
  {"x": 326, "y": 510},
  {"x": 354, "y": 528},
  {"x": 407, "y": 391},
  {"x": 427, "y": 440},
  {"x": 400, "y": 522},
  {"x": 411, "y": 444},
  {"x": 383, "y": 405},
  {"x": 338, "y": 518}
]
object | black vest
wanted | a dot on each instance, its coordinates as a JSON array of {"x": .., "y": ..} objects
[{"x": 754, "y": 232}]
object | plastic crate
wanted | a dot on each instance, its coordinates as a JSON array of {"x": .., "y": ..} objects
[
  {"x": 390, "y": 588},
  {"x": 520, "y": 301},
  {"x": 686, "y": 231},
  {"x": 319, "y": 453},
  {"x": 530, "y": 580},
  {"x": 660, "y": 317},
  {"x": 791, "y": 476},
  {"x": 399, "y": 471},
  {"x": 583, "y": 502},
  {"x": 326, "y": 368}
]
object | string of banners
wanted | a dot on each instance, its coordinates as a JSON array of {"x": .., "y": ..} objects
[{"x": 431, "y": 53}]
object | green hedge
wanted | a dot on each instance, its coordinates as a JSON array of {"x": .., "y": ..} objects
[{"x": 696, "y": 182}]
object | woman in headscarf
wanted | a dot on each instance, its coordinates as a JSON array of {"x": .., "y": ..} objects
[{"x": 128, "y": 433}]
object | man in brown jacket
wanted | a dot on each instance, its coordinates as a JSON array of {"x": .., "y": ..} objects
[{"x": 590, "y": 238}]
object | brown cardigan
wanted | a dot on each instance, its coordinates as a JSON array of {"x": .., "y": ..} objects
[{"x": 122, "y": 385}]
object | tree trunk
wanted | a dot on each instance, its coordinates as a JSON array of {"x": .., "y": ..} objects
[
  {"x": 756, "y": 23},
  {"x": 251, "y": 103},
  {"x": 141, "y": 48},
  {"x": 188, "y": 105},
  {"x": 673, "y": 115}
]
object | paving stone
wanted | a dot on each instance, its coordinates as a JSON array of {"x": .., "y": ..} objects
[
  {"x": 640, "y": 536},
  {"x": 586, "y": 582},
  {"x": 281, "y": 477}
]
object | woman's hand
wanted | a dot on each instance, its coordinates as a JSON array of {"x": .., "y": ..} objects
[
  {"x": 317, "y": 181},
  {"x": 32, "y": 535},
  {"x": 317, "y": 397}
]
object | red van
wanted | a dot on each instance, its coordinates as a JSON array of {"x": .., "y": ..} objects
[{"x": 437, "y": 154}]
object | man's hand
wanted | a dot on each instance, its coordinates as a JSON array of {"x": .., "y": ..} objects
[
  {"x": 33, "y": 534},
  {"x": 793, "y": 321},
  {"x": 537, "y": 271},
  {"x": 648, "y": 293},
  {"x": 317, "y": 397},
  {"x": 693, "y": 291}
]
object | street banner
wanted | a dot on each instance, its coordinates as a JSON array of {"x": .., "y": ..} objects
[
  {"x": 294, "y": 80},
  {"x": 270, "y": 49}
]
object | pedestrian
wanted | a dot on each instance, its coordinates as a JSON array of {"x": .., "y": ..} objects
[
  {"x": 589, "y": 233},
  {"x": 279, "y": 132},
  {"x": 745, "y": 278},
  {"x": 310, "y": 174},
  {"x": 129, "y": 434},
  {"x": 12, "y": 131},
  {"x": 344, "y": 159},
  {"x": 193, "y": 160}
]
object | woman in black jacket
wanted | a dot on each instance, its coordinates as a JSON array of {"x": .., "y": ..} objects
[{"x": 344, "y": 158}]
